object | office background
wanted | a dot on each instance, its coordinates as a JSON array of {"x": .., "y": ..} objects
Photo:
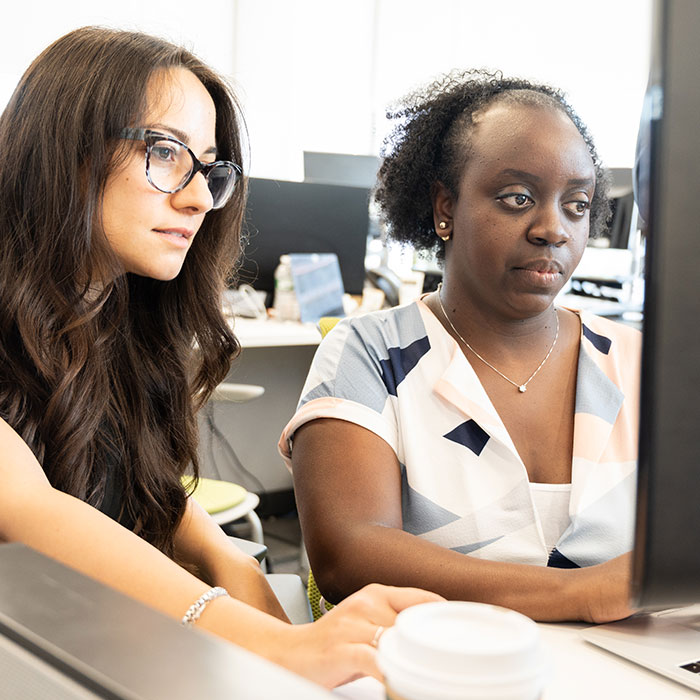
[{"x": 317, "y": 75}]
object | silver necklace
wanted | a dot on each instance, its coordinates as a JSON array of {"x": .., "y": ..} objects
[{"x": 522, "y": 388}]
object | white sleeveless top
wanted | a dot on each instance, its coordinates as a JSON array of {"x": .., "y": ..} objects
[{"x": 552, "y": 505}]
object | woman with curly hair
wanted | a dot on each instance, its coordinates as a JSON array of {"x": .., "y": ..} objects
[
  {"x": 120, "y": 205},
  {"x": 483, "y": 438}
]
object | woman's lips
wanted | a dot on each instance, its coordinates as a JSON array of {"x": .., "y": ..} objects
[
  {"x": 179, "y": 237},
  {"x": 541, "y": 273}
]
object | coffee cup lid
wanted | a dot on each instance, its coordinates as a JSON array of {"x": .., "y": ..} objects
[{"x": 461, "y": 643}]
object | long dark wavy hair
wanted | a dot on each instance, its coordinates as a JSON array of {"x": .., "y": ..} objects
[
  {"x": 93, "y": 374},
  {"x": 430, "y": 143}
]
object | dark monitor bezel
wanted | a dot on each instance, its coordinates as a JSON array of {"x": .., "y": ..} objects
[
  {"x": 284, "y": 216},
  {"x": 341, "y": 168},
  {"x": 666, "y": 562}
]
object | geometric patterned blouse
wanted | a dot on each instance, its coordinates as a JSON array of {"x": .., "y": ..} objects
[{"x": 399, "y": 374}]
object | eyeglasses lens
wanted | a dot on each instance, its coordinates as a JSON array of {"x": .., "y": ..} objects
[
  {"x": 170, "y": 165},
  {"x": 221, "y": 181}
]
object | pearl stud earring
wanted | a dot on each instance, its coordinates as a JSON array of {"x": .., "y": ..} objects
[{"x": 442, "y": 226}]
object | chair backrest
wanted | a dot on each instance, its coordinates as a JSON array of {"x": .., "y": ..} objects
[
  {"x": 318, "y": 603},
  {"x": 326, "y": 324}
]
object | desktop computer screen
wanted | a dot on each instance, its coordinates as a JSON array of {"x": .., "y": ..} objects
[
  {"x": 302, "y": 217},
  {"x": 667, "y": 545},
  {"x": 341, "y": 168}
]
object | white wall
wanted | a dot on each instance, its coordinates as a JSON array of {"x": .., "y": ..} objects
[
  {"x": 318, "y": 74},
  {"x": 29, "y": 26}
]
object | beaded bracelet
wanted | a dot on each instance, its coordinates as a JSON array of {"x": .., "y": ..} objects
[{"x": 197, "y": 608}]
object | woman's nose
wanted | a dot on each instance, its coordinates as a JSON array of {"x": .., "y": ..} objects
[
  {"x": 548, "y": 227},
  {"x": 196, "y": 196}
]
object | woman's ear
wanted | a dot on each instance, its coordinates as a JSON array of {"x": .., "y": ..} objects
[{"x": 443, "y": 205}]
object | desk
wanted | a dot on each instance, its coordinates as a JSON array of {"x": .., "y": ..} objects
[
  {"x": 580, "y": 671},
  {"x": 267, "y": 333},
  {"x": 276, "y": 355}
]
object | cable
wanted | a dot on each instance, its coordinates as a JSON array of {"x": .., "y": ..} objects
[{"x": 236, "y": 463}]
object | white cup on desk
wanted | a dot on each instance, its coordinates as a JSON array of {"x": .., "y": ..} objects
[{"x": 456, "y": 650}]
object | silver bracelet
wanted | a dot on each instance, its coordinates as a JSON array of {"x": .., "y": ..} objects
[{"x": 197, "y": 608}]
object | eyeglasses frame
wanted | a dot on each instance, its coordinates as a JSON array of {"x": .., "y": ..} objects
[{"x": 150, "y": 136}]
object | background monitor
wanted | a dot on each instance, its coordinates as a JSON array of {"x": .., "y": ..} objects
[
  {"x": 341, "y": 168},
  {"x": 666, "y": 567},
  {"x": 622, "y": 224},
  {"x": 302, "y": 217}
]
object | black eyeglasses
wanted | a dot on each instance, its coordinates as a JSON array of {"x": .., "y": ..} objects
[{"x": 171, "y": 165}]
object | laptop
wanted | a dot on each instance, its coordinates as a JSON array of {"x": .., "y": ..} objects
[
  {"x": 667, "y": 642},
  {"x": 64, "y": 636}
]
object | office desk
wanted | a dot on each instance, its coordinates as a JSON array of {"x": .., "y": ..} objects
[
  {"x": 580, "y": 671},
  {"x": 276, "y": 355},
  {"x": 268, "y": 333}
]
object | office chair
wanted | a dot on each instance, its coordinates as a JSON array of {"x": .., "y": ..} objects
[
  {"x": 326, "y": 324},
  {"x": 225, "y": 501}
]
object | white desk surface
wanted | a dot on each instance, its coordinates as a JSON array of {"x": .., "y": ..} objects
[
  {"x": 580, "y": 671},
  {"x": 266, "y": 333}
]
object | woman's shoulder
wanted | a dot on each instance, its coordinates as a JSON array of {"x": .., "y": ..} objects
[
  {"x": 8, "y": 435},
  {"x": 397, "y": 325},
  {"x": 610, "y": 326},
  {"x": 17, "y": 458},
  {"x": 610, "y": 336}
]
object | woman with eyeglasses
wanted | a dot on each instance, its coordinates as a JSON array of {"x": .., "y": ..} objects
[{"x": 121, "y": 202}]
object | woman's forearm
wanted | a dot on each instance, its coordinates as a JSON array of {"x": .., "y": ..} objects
[
  {"x": 391, "y": 556},
  {"x": 246, "y": 582},
  {"x": 201, "y": 541},
  {"x": 330, "y": 652}
]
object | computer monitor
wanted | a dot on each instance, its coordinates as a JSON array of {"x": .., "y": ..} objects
[
  {"x": 622, "y": 224},
  {"x": 341, "y": 168},
  {"x": 666, "y": 569},
  {"x": 302, "y": 217}
]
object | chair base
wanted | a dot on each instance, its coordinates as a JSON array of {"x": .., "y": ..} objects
[{"x": 244, "y": 509}]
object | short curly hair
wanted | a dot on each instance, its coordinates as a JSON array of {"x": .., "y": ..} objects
[{"x": 430, "y": 144}]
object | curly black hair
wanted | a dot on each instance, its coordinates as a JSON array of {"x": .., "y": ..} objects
[{"x": 430, "y": 144}]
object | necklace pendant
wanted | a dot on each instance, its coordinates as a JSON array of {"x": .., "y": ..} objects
[{"x": 522, "y": 388}]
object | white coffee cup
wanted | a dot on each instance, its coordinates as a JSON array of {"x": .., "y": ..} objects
[{"x": 451, "y": 650}]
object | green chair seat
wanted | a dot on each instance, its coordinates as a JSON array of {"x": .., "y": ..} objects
[{"x": 216, "y": 496}]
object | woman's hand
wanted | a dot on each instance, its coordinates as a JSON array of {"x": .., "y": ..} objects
[
  {"x": 605, "y": 589},
  {"x": 340, "y": 647}
]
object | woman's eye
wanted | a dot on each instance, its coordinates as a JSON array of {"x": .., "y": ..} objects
[
  {"x": 164, "y": 153},
  {"x": 577, "y": 208},
  {"x": 516, "y": 200}
]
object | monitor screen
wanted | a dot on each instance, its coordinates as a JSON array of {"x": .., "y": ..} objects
[
  {"x": 666, "y": 567},
  {"x": 341, "y": 168},
  {"x": 302, "y": 217}
]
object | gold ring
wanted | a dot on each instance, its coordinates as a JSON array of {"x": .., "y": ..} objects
[{"x": 377, "y": 635}]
